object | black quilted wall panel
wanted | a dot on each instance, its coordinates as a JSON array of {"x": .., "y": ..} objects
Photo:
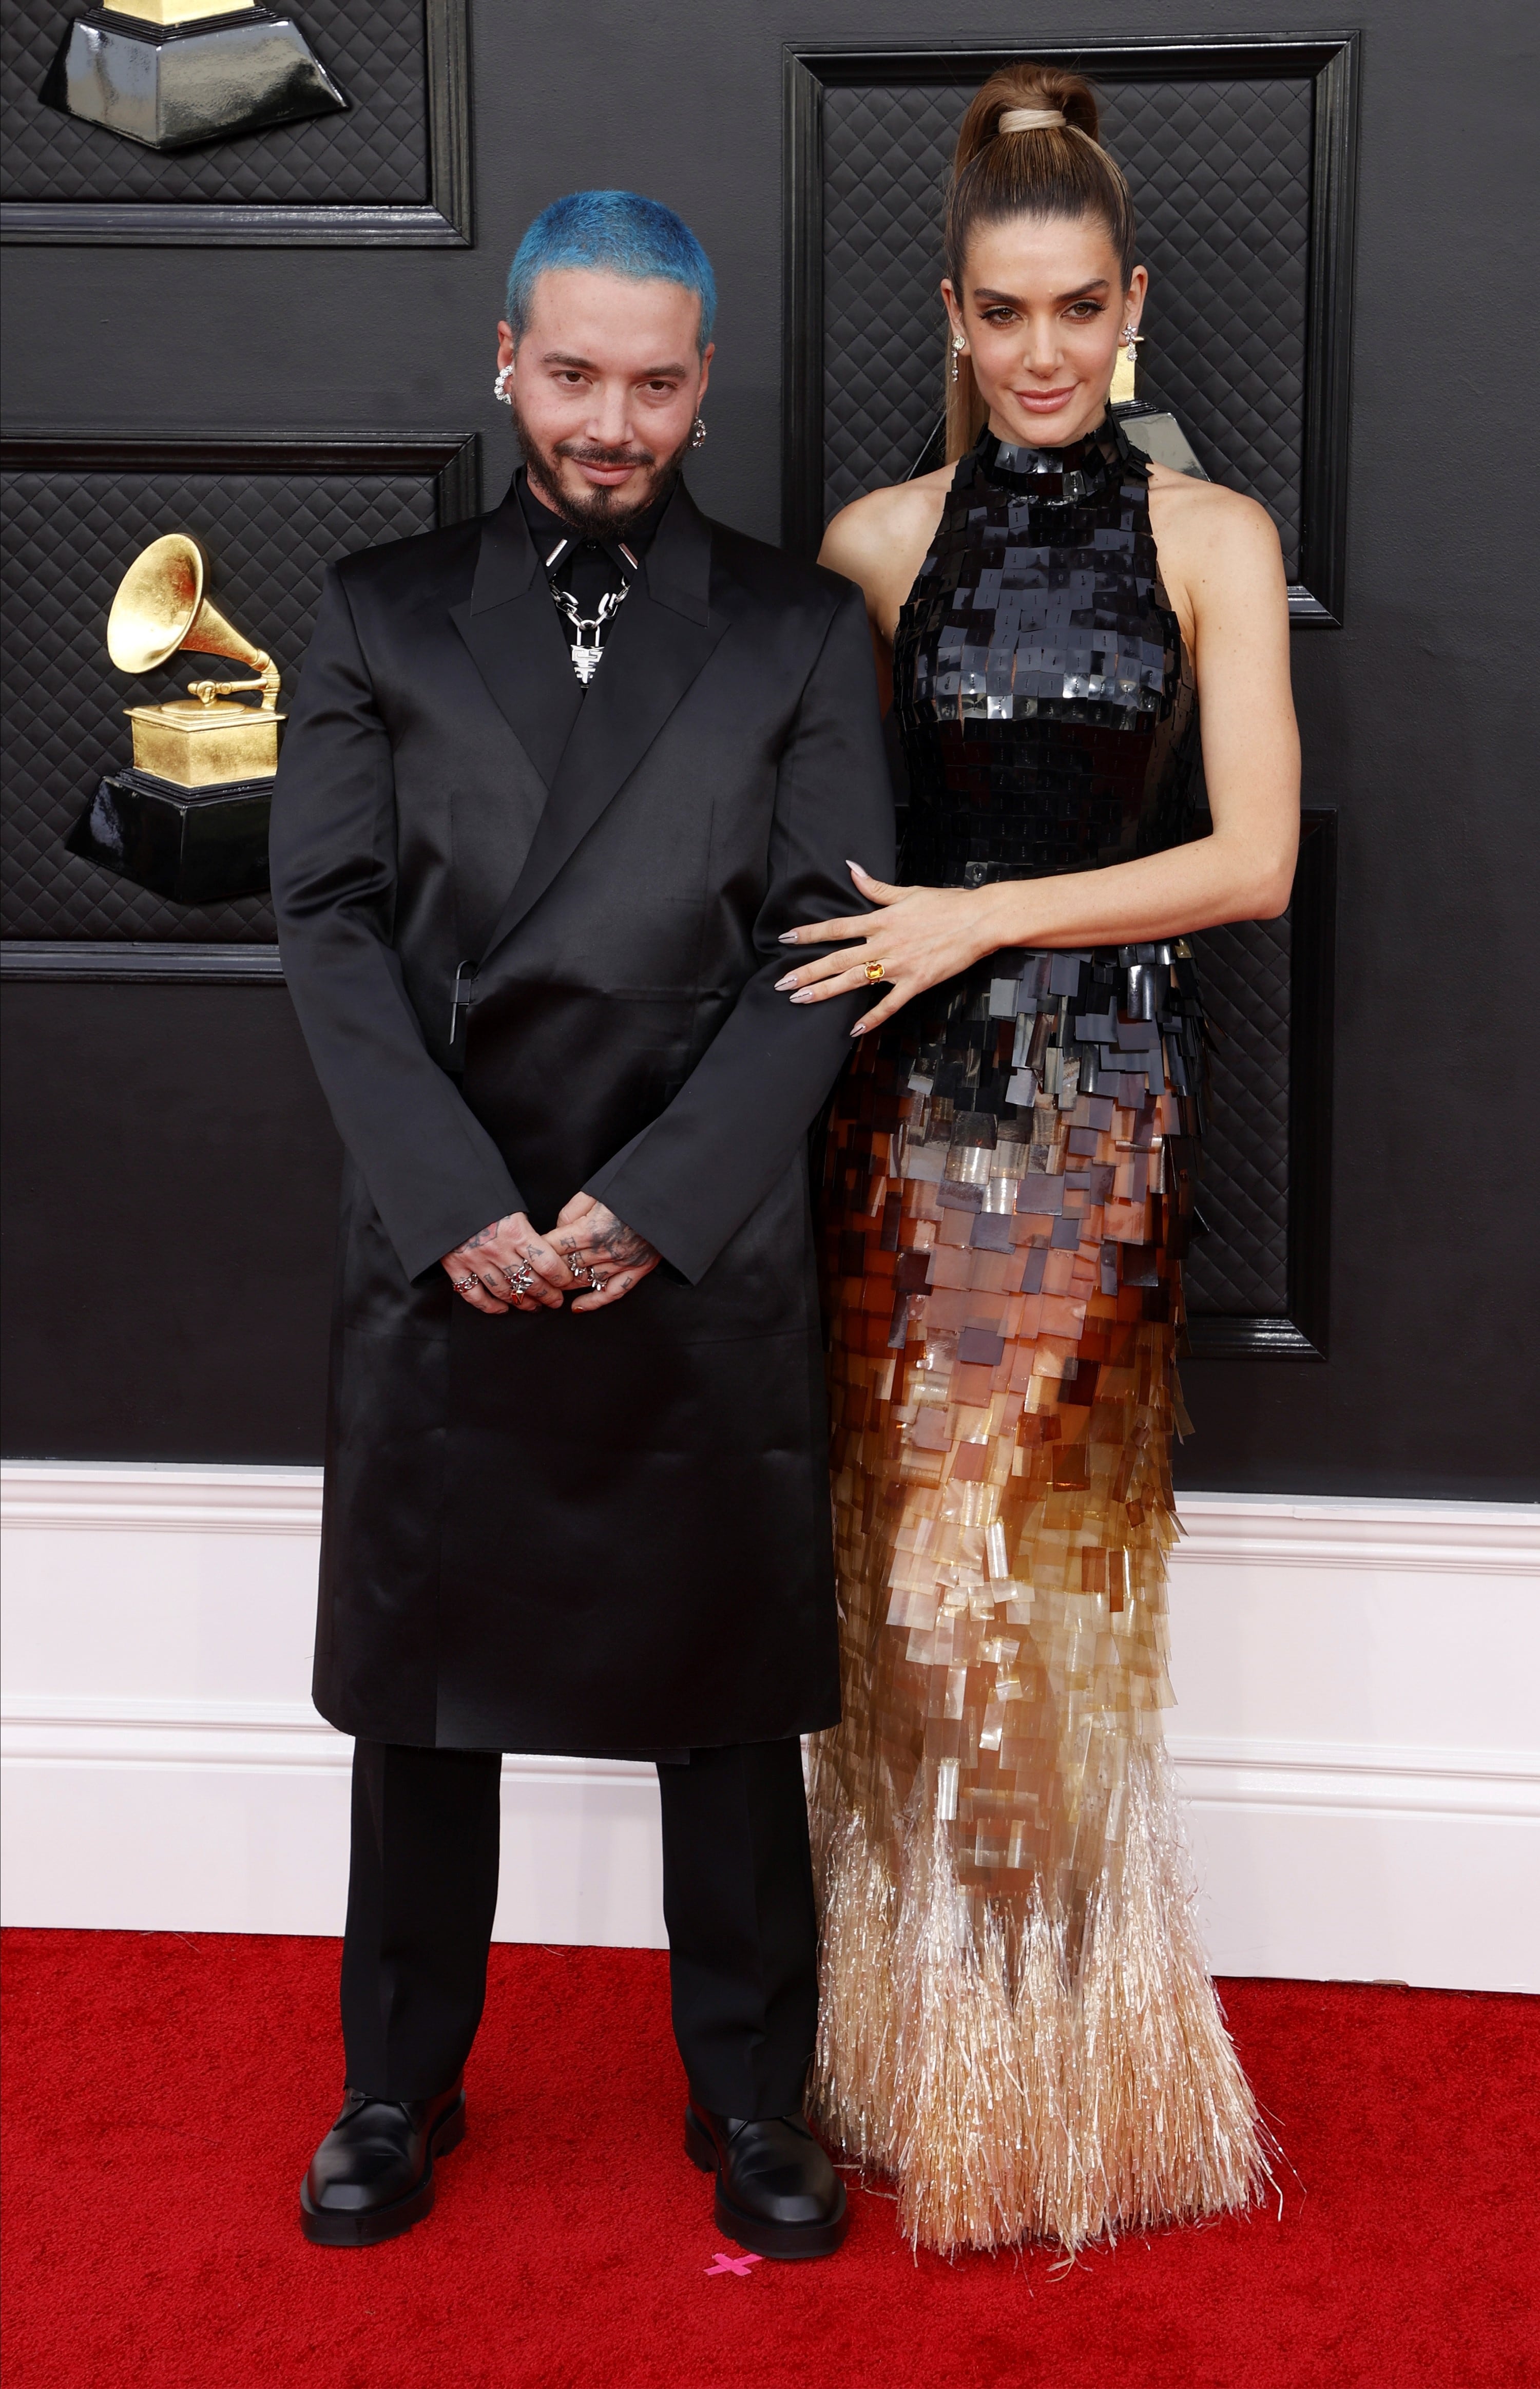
[
  {"x": 1220, "y": 175},
  {"x": 376, "y": 152},
  {"x": 1240, "y": 1269},
  {"x": 69, "y": 538}
]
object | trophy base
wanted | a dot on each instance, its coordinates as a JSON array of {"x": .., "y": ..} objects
[
  {"x": 172, "y": 85},
  {"x": 1159, "y": 436},
  {"x": 193, "y": 846}
]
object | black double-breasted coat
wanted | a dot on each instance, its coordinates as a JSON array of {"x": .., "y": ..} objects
[{"x": 554, "y": 1532}]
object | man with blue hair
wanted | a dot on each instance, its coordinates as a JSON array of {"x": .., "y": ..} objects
[{"x": 556, "y": 785}]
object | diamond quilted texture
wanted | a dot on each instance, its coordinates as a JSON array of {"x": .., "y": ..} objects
[
  {"x": 1242, "y": 1268},
  {"x": 376, "y": 153},
  {"x": 1220, "y": 173},
  {"x": 69, "y": 538}
]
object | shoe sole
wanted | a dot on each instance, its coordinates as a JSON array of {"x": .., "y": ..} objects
[
  {"x": 366, "y": 2230},
  {"x": 787, "y": 2242}
]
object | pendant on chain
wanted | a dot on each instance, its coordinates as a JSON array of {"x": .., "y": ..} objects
[{"x": 586, "y": 645}]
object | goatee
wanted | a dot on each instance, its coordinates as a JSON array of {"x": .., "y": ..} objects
[{"x": 600, "y": 514}]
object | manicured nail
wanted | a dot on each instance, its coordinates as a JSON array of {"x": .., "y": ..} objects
[
  {"x": 859, "y": 1028},
  {"x": 783, "y": 984},
  {"x": 788, "y": 936},
  {"x": 803, "y": 995}
]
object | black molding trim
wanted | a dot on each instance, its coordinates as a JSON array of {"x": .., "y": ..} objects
[
  {"x": 1302, "y": 1333},
  {"x": 452, "y": 457},
  {"x": 140, "y": 964},
  {"x": 1331, "y": 60},
  {"x": 444, "y": 222}
]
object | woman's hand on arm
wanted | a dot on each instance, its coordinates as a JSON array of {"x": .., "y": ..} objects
[{"x": 920, "y": 936}]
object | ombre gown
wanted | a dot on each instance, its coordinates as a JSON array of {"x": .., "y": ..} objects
[{"x": 1017, "y": 2021}]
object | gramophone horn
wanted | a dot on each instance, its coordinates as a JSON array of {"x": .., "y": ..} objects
[{"x": 160, "y": 606}]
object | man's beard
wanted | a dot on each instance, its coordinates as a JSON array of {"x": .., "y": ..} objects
[{"x": 600, "y": 514}]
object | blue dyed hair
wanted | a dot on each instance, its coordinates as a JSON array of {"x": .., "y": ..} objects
[{"x": 610, "y": 232}]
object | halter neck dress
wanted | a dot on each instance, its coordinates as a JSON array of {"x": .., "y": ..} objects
[{"x": 1017, "y": 2022}]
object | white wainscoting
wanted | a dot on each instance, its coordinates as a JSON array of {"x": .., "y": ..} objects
[{"x": 1356, "y": 1732}]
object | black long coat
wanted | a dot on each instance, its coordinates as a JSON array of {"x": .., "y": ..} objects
[{"x": 553, "y": 1532}]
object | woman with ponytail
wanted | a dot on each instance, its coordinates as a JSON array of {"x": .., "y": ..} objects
[{"x": 1017, "y": 2021}]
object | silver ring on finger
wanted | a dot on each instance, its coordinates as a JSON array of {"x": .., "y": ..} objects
[
  {"x": 519, "y": 1280},
  {"x": 464, "y": 1285}
]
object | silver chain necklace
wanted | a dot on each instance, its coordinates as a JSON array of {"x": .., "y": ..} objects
[{"x": 588, "y": 628}]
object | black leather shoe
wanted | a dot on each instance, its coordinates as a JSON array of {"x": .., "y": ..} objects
[
  {"x": 777, "y": 2193},
  {"x": 373, "y": 2174}
]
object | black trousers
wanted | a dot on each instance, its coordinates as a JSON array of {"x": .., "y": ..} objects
[{"x": 737, "y": 1899}]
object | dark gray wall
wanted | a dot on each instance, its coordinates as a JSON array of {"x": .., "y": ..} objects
[{"x": 170, "y": 1166}]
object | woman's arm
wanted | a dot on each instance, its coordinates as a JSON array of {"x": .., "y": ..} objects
[
  {"x": 1223, "y": 569},
  {"x": 880, "y": 541}
]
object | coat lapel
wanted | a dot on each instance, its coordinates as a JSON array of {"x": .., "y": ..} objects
[
  {"x": 514, "y": 636},
  {"x": 661, "y": 640}
]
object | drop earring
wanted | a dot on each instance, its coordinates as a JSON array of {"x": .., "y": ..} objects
[
  {"x": 1122, "y": 391},
  {"x": 500, "y": 387},
  {"x": 959, "y": 349},
  {"x": 697, "y": 433}
]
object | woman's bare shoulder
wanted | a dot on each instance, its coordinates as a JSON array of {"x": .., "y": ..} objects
[
  {"x": 874, "y": 535},
  {"x": 1198, "y": 513}
]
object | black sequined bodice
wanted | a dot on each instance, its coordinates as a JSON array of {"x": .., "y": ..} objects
[{"x": 1045, "y": 700}]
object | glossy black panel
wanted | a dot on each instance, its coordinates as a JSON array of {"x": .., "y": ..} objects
[
  {"x": 176, "y": 86},
  {"x": 1414, "y": 720},
  {"x": 194, "y": 846},
  {"x": 169, "y": 1210}
]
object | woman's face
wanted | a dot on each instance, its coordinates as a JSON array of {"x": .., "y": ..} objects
[{"x": 1042, "y": 315}]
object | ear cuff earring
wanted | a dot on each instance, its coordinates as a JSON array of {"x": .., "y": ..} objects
[
  {"x": 697, "y": 433},
  {"x": 500, "y": 387}
]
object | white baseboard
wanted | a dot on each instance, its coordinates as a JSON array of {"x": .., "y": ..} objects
[{"x": 1355, "y": 1732}]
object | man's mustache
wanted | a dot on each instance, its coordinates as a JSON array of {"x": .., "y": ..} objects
[{"x": 581, "y": 451}]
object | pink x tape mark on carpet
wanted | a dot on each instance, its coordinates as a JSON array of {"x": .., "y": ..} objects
[{"x": 722, "y": 2263}]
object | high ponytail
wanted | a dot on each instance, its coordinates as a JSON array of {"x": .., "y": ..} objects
[{"x": 1042, "y": 170}]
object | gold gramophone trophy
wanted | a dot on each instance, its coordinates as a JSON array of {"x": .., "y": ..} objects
[{"x": 189, "y": 818}]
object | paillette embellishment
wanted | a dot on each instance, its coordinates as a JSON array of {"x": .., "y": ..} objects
[{"x": 1015, "y": 2021}]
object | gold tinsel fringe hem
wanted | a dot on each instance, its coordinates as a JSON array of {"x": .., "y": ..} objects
[{"x": 1015, "y": 2089}]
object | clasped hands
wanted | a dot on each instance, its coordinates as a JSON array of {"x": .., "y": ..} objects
[{"x": 589, "y": 1253}]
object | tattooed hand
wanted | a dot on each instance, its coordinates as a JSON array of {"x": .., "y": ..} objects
[
  {"x": 482, "y": 1269},
  {"x": 594, "y": 1242}
]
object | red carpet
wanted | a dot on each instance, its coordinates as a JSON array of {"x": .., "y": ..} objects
[{"x": 164, "y": 2094}]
